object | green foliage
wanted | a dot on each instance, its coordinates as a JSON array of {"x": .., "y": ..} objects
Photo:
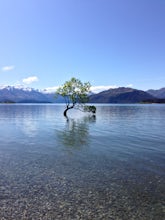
[
  {"x": 90, "y": 108},
  {"x": 76, "y": 95},
  {"x": 74, "y": 91}
]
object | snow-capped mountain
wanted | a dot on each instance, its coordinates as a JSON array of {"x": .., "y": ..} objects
[{"x": 20, "y": 94}]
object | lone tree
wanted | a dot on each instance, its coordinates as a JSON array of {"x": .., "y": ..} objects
[{"x": 75, "y": 94}]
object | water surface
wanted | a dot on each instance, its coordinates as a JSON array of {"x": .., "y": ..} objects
[{"x": 108, "y": 166}]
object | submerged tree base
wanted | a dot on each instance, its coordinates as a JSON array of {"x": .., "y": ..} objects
[
  {"x": 83, "y": 108},
  {"x": 65, "y": 112}
]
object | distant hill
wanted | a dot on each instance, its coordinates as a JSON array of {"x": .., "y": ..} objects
[
  {"x": 159, "y": 93},
  {"x": 121, "y": 95},
  {"x": 155, "y": 100},
  {"x": 11, "y": 94},
  {"x": 21, "y": 95},
  {"x": 53, "y": 98}
]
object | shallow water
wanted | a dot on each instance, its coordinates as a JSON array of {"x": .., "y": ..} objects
[{"x": 110, "y": 166}]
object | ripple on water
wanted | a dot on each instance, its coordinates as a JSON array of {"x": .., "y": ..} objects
[{"x": 106, "y": 167}]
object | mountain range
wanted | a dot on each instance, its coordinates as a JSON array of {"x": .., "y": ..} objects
[
  {"x": 13, "y": 94},
  {"x": 121, "y": 95},
  {"x": 160, "y": 93}
]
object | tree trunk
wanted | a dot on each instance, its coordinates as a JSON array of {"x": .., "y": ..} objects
[{"x": 65, "y": 112}]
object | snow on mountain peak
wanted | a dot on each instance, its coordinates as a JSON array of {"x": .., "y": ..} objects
[{"x": 21, "y": 87}]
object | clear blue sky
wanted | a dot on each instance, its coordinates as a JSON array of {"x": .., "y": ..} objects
[{"x": 106, "y": 42}]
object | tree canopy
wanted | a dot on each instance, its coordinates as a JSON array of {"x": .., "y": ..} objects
[{"x": 76, "y": 94}]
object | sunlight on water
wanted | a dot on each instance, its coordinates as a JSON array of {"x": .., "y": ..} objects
[{"x": 108, "y": 166}]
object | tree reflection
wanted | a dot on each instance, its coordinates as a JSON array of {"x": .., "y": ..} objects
[{"x": 76, "y": 131}]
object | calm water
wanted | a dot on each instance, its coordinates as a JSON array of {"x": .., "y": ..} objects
[{"x": 106, "y": 167}]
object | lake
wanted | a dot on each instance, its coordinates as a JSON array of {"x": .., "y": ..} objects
[{"x": 108, "y": 166}]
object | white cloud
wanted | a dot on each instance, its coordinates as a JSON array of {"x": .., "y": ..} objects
[
  {"x": 94, "y": 89},
  {"x": 7, "y": 68},
  {"x": 129, "y": 85},
  {"x": 50, "y": 89},
  {"x": 30, "y": 79},
  {"x": 97, "y": 89}
]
